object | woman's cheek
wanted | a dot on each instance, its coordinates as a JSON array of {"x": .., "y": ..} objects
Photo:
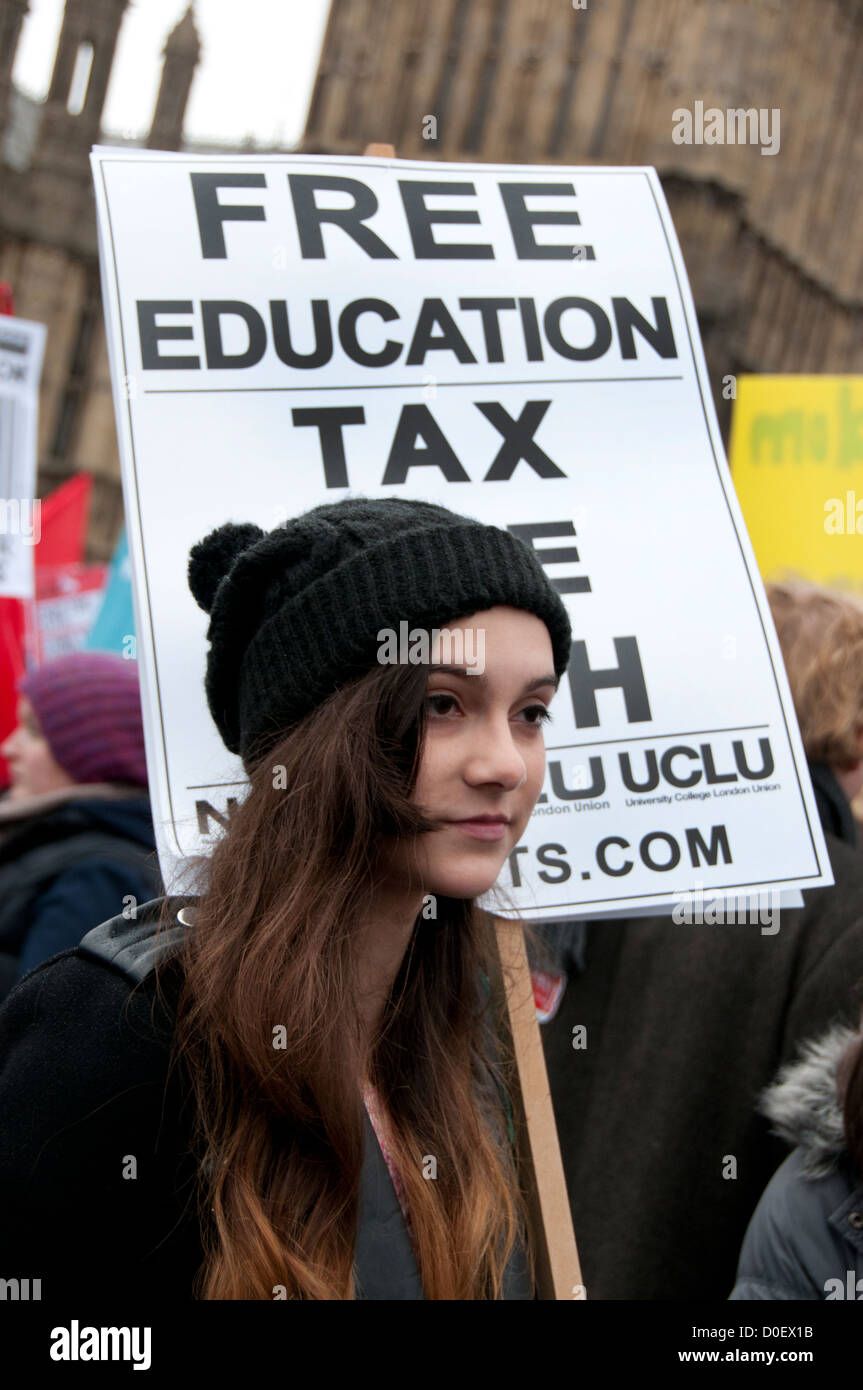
[
  {"x": 431, "y": 771},
  {"x": 536, "y": 775}
]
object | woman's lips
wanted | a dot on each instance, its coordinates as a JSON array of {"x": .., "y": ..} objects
[{"x": 482, "y": 829}]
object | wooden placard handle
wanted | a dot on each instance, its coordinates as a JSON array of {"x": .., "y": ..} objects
[{"x": 558, "y": 1272}]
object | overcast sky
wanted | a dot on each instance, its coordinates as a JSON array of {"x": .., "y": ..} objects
[{"x": 258, "y": 63}]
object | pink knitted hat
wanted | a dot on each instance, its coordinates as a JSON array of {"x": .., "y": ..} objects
[{"x": 88, "y": 705}]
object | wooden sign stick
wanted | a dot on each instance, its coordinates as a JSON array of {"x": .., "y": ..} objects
[{"x": 558, "y": 1273}]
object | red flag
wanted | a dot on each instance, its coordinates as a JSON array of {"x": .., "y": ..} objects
[
  {"x": 12, "y": 667},
  {"x": 12, "y": 624},
  {"x": 64, "y": 523}
]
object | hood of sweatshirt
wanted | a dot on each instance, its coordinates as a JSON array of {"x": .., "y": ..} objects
[{"x": 803, "y": 1105}]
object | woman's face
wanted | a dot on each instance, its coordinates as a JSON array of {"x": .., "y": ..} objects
[
  {"x": 483, "y": 759},
  {"x": 32, "y": 766}
]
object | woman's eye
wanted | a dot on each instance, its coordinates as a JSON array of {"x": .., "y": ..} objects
[
  {"x": 443, "y": 704},
  {"x": 433, "y": 702},
  {"x": 541, "y": 712}
]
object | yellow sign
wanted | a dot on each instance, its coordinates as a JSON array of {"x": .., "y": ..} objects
[{"x": 797, "y": 465}]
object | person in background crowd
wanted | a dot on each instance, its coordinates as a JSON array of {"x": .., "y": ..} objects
[
  {"x": 663, "y": 1034},
  {"x": 76, "y": 830},
  {"x": 821, "y": 636},
  {"x": 806, "y": 1237}
]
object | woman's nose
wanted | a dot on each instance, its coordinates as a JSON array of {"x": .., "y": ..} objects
[{"x": 494, "y": 757}]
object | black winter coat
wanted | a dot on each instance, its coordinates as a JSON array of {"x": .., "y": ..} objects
[
  {"x": 664, "y": 1152},
  {"x": 67, "y": 868},
  {"x": 85, "y": 1086}
]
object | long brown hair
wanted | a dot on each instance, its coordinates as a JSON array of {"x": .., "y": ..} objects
[{"x": 269, "y": 1035}]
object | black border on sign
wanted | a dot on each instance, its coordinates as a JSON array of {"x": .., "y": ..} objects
[{"x": 538, "y": 170}]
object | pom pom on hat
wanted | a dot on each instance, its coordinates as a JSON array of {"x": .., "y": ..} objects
[{"x": 210, "y": 559}]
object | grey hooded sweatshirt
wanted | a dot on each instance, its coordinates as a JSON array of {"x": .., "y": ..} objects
[{"x": 805, "y": 1239}]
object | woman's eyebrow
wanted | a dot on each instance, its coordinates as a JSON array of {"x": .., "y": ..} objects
[{"x": 481, "y": 679}]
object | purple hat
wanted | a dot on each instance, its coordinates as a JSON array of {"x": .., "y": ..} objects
[{"x": 89, "y": 708}]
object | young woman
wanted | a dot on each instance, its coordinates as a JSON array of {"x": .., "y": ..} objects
[{"x": 295, "y": 1088}]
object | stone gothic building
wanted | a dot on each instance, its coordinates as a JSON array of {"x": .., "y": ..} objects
[
  {"x": 48, "y": 246},
  {"x": 771, "y": 241}
]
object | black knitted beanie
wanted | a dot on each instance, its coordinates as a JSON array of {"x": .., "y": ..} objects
[{"x": 296, "y": 611}]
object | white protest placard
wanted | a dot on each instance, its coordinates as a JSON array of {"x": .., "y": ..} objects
[
  {"x": 518, "y": 344},
  {"x": 22, "y": 345}
]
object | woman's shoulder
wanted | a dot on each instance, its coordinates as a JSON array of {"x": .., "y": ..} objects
[
  {"x": 803, "y": 1232},
  {"x": 134, "y": 944},
  {"x": 804, "y": 1224},
  {"x": 95, "y": 1128},
  {"x": 93, "y": 1013}
]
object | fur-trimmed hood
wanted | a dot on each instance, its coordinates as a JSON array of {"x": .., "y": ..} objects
[{"x": 803, "y": 1103}]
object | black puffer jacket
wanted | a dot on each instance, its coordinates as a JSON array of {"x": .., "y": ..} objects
[
  {"x": 805, "y": 1239},
  {"x": 85, "y": 1086}
]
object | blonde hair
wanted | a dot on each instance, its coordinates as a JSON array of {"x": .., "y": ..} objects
[{"x": 821, "y": 636}]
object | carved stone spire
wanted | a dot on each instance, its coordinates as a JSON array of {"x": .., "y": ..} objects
[
  {"x": 182, "y": 52},
  {"x": 12, "y": 14},
  {"x": 79, "y": 83}
]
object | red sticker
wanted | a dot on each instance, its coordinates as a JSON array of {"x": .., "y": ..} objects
[{"x": 547, "y": 993}]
